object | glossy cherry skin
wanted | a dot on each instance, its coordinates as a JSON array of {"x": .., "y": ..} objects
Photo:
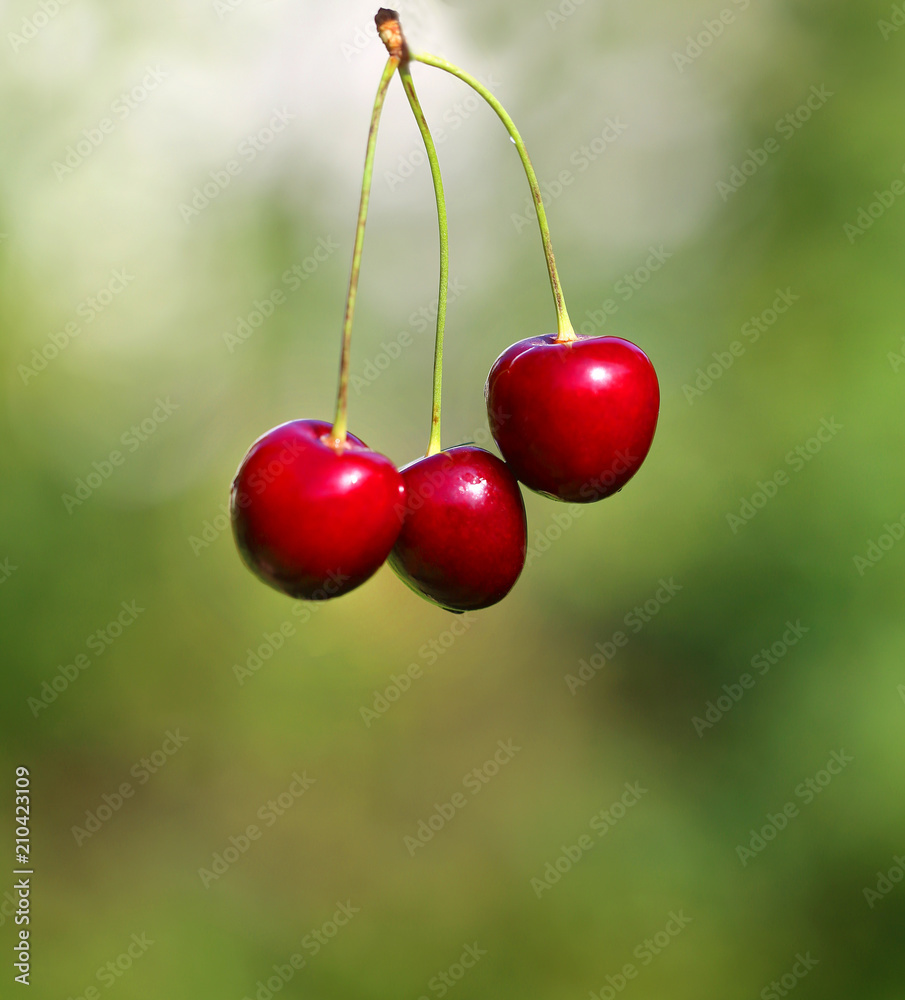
[
  {"x": 574, "y": 421},
  {"x": 464, "y": 538},
  {"x": 309, "y": 520}
]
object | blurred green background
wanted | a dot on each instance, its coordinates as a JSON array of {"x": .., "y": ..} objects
[{"x": 120, "y": 299}]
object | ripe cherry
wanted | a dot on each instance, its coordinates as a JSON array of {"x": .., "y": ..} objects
[
  {"x": 574, "y": 419},
  {"x": 464, "y": 537},
  {"x": 311, "y": 519}
]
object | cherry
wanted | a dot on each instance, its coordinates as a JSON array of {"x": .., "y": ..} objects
[
  {"x": 464, "y": 536},
  {"x": 312, "y": 519},
  {"x": 573, "y": 419}
]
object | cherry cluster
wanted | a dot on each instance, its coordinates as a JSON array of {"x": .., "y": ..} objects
[{"x": 315, "y": 512}]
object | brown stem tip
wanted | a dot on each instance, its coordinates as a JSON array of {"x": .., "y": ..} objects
[{"x": 390, "y": 31}]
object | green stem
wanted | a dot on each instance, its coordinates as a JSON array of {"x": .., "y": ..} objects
[
  {"x": 340, "y": 423},
  {"x": 565, "y": 330},
  {"x": 409, "y": 84}
]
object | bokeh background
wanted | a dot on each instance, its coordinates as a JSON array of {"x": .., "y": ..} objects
[{"x": 115, "y": 241}]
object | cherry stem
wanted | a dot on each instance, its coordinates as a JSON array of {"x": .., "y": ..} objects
[
  {"x": 442, "y": 220},
  {"x": 340, "y": 423},
  {"x": 565, "y": 332}
]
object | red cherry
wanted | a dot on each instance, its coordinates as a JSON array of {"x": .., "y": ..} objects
[
  {"x": 575, "y": 420},
  {"x": 311, "y": 520},
  {"x": 464, "y": 538}
]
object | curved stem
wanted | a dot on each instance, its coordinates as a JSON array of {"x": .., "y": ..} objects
[
  {"x": 565, "y": 330},
  {"x": 409, "y": 84},
  {"x": 340, "y": 423}
]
